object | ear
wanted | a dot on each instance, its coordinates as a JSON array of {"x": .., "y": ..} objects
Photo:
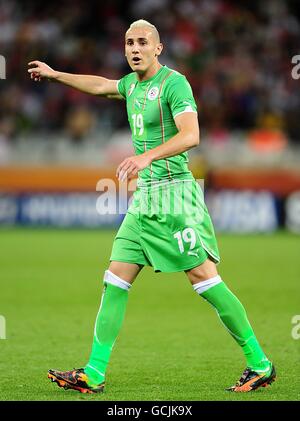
[{"x": 159, "y": 49}]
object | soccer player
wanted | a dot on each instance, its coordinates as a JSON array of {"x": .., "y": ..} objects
[{"x": 167, "y": 226}]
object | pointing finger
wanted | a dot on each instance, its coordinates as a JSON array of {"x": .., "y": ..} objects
[{"x": 31, "y": 63}]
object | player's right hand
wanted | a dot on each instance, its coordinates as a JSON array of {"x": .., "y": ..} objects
[{"x": 39, "y": 70}]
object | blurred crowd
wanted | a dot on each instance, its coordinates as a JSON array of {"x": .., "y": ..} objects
[{"x": 236, "y": 55}]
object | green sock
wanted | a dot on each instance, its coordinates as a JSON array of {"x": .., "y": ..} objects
[
  {"x": 234, "y": 318},
  {"x": 107, "y": 326}
]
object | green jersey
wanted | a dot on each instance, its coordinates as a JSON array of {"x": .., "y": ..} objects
[{"x": 152, "y": 106}]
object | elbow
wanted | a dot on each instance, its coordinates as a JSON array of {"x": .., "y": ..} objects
[
  {"x": 97, "y": 90},
  {"x": 194, "y": 140},
  {"x": 190, "y": 138}
]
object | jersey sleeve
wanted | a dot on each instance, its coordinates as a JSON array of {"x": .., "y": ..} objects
[
  {"x": 180, "y": 96},
  {"x": 121, "y": 87}
]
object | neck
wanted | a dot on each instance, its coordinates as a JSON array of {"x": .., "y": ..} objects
[{"x": 151, "y": 71}]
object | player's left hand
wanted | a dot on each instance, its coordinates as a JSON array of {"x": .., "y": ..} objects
[{"x": 132, "y": 165}]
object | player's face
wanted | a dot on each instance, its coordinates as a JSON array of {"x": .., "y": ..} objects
[{"x": 141, "y": 49}]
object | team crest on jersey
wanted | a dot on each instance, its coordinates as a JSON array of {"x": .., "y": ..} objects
[
  {"x": 132, "y": 86},
  {"x": 153, "y": 93}
]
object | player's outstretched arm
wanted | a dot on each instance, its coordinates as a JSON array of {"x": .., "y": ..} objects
[{"x": 94, "y": 85}]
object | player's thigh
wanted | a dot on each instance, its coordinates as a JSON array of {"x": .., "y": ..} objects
[
  {"x": 126, "y": 271},
  {"x": 203, "y": 272}
]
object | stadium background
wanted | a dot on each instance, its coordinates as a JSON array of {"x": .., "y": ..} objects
[{"x": 57, "y": 143}]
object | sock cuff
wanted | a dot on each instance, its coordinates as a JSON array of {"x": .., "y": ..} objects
[
  {"x": 113, "y": 279},
  {"x": 203, "y": 286}
]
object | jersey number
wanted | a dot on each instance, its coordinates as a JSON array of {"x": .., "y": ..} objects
[
  {"x": 138, "y": 124},
  {"x": 188, "y": 236}
]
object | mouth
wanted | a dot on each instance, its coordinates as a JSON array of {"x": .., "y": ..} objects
[{"x": 136, "y": 60}]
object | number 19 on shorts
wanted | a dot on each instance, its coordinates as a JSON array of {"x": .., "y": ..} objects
[{"x": 187, "y": 236}]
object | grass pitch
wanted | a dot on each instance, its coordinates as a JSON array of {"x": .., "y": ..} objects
[{"x": 172, "y": 345}]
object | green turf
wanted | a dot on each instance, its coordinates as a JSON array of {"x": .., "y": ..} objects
[{"x": 172, "y": 345}]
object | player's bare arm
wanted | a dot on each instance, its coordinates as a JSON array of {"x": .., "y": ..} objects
[
  {"x": 186, "y": 138},
  {"x": 94, "y": 85}
]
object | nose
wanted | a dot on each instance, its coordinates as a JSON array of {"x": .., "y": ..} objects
[{"x": 135, "y": 49}]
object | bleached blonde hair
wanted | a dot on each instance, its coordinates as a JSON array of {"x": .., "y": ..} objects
[{"x": 142, "y": 23}]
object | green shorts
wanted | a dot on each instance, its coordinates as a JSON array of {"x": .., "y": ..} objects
[{"x": 168, "y": 227}]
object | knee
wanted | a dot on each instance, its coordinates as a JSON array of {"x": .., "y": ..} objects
[
  {"x": 126, "y": 271},
  {"x": 201, "y": 273}
]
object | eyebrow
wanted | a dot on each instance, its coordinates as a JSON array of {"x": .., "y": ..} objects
[{"x": 139, "y": 39}]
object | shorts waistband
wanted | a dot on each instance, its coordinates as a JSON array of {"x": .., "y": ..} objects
[{"x": 159, "y": 183}]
